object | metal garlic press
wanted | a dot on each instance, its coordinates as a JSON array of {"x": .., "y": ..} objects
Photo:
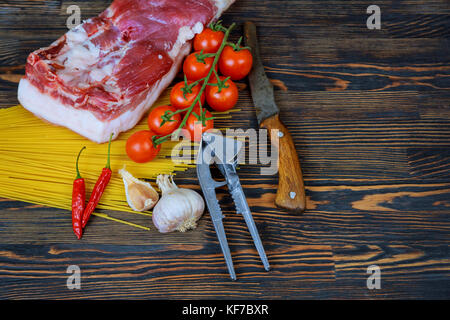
[{"x": 224, "y": 153}]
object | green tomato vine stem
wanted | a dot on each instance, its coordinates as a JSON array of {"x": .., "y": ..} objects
[{"x": 159, "y": 140}]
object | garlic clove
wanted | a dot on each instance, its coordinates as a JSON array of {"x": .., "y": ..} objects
[{"x": 140, "y": 194}]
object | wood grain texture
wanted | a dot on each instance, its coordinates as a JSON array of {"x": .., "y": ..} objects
[{"x": 369, "y": 114}]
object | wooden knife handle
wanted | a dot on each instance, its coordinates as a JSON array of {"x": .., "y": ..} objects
[{"x": 291, "y": 188}]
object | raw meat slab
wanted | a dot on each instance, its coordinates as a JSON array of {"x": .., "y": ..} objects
[{"x": 102, "y": 76}]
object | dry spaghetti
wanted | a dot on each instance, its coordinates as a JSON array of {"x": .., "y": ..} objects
[{"x": 37, "y": 162}]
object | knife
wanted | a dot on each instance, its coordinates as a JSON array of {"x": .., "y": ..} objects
[{"x": 291, "y": 188}]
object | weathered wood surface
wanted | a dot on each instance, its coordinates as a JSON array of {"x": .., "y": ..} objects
[{"x": 369, "y": 111}]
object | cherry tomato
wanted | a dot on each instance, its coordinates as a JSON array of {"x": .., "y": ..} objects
[
  {"x": 209, "y": 41},
  {"x": 155, "y": 120},
  {"x": 140, "y": 147},
  {"x": 223, "y": 100},
  {"x": 195, "y": 126},
  {"x": 196, "y": 70},
  {"x": 235, "y": 64},
  {"x": 177, "y": 99}
]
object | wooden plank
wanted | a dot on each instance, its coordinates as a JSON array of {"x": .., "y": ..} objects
[
  {"x": 161, "y": 272},
  {"x": 402, "y": 267},
  {"x": 357, "y": 214}
]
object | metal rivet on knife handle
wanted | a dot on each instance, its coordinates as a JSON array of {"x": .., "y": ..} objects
[{"x": 289, "y": 170}]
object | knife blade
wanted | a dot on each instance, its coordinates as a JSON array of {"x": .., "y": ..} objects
[{"x": 291, "y": 190}]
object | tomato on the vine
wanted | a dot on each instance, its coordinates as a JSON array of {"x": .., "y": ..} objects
[
  {"x": 208, "y": 40},
  {"x": 223, "y": 97},
  {"x": 140, "y": 146},
  {"x": 196, "y": 67},
  {"x": 235, "y": 63},
  {"x": 155, "y": 120},
  {"x": 195, "y": 127},
  {"x": 178, "y": 99}
]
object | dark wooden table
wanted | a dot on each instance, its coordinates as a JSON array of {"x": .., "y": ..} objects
[{"x": 369, "y": 111}]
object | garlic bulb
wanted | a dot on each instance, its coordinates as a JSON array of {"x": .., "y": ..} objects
[
  {"x": 178, "y": 209},
  {"x": 140, "y": 194}
]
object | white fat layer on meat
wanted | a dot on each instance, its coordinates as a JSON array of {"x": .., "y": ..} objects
[
  {"x": 76, "y": 35},
  {"x": 84, "y": 122},
  {"x": 80, "y": 61},
  {"x": 185, "y": 34},
  {"x": 82, "y": 54},
  {"x": 221, "y": 6},
  {"x": 98, "y": 74}
]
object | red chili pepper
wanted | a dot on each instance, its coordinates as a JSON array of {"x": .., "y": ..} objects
[
  {"x": 78, "y": 201},
  {"x": 99, "y": 188}
]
